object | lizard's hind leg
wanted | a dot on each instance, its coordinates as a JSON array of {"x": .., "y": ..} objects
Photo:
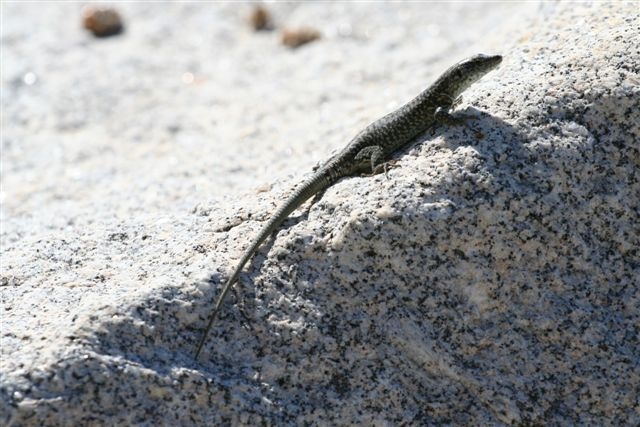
[{"x": 374, "y": 154}]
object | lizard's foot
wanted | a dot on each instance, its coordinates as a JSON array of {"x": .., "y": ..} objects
[
  {"x": 384, "y": 167},
  {"x": 453, "y": 119},
  {"x": 444, "y": 116},
  {"x": 456, "y": 102}
]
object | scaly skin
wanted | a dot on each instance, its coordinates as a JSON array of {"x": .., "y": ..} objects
[{"x": 373, "y": 146}]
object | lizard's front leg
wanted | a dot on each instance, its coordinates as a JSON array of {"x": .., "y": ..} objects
[{"x": 444, "y": 115}]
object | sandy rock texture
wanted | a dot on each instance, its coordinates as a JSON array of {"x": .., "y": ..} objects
[{"x": 492, "y": 279}]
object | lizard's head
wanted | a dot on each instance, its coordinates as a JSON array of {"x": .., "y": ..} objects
[{"x": 460, "y": 76}]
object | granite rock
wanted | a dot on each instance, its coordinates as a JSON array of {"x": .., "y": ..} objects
[{"x": 491, "y": 279}]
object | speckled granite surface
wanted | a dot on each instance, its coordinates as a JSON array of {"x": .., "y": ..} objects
[{"x": 493, "y": 279}]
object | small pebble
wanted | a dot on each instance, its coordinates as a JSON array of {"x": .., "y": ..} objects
[
  {"x": 102, "y": 22},
  {"x": 298, "y": 37},
  {"x": 260, "y": 19}
]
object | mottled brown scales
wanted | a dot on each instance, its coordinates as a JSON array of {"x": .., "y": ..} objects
[{"x": 371, "y": 148}]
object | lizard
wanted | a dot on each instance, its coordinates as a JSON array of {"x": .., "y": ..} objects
[{"x": 370, "y": 149}]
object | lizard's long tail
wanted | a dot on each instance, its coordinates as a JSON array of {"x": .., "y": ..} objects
[{"x": 317, "y": 183}]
